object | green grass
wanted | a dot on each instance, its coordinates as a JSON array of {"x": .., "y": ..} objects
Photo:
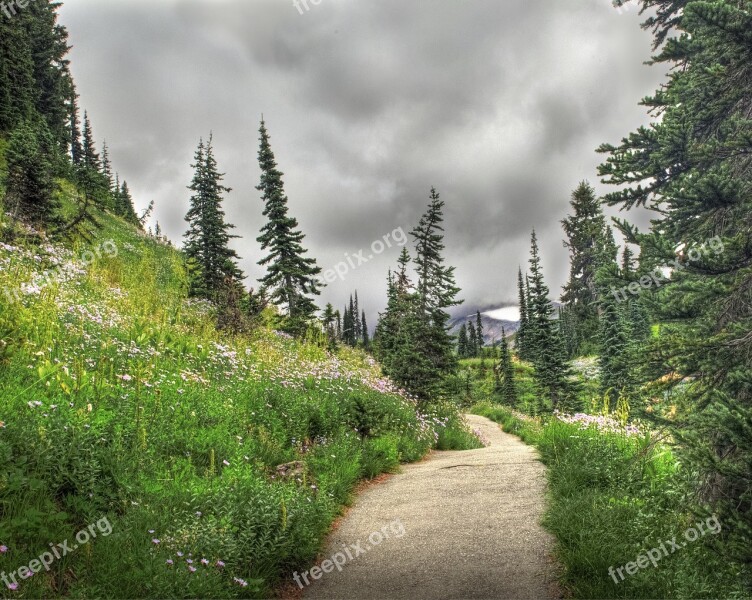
[
  {"x": 121, "y": 401},
  {"x": 613, "y": 497}
]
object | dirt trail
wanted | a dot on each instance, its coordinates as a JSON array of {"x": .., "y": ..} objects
[{"x": 459, "y": 525}]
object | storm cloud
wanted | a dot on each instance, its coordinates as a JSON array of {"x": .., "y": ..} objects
[{"x": 499, "y": 105}]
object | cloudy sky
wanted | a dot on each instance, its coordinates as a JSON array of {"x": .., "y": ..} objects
[{"x": 498, "y": 104}]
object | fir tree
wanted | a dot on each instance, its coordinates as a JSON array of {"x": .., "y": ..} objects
[
  {"x": 211, "y": 260},
  {"x": 691, "y": 168},
  {"x": 479, "y": 337},
  {"x": 436, "y": 291},
  {"x": 552, "y": 373},
  {"x": 522, "y": 333},
  {"x": 291, "y": 278},
  {"x": 472, "y": 342},
  {"x": 590, "y": 244},
  {"x": 462, "y": 342},
  {"x": 506, "y": 371},
  {"x": 30, "y": 188},
  {"x": 364, "y": 332}
]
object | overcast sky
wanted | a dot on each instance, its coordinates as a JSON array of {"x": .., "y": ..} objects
[{"x": 499, "y": 104}]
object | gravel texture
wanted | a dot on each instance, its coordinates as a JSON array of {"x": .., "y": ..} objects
[{"x": 457, "y": 525}]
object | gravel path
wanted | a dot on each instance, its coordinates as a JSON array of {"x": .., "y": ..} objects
[{"x": 458, "y": 525}]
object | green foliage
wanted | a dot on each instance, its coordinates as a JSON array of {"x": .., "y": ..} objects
[
  {"x": 136, "y": 408},
  {"x": 412, "y": 337},
  {"x": 613, "y": 497},
  {"x": 689, "y": 168},
  {"x": 291, "y": 278},
  {"x": 212, "y": 263}
]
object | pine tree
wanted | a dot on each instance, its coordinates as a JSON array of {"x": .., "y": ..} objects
[
  {"x": 123, "y": 202},
  {"x": 211, "y": 261},
  {"x": 590, "y": 244},
  {"x": 614, "y": 353},
  {"x": 397, "y": 332},
  {"x": 330, "y": 327},
  {"x": 107, "y": 166},
  {"x": 291, "y": 278},
  {"x": 364, "y": 332},
  {"x": 506, "y": 371},
  {"x": 691, "y": 168},
  {"x": 472, "y": 342},
  {"x": 90, "y": 156},
  {"x": 552, "y": 373},
  {"x": 435, "y": 292},
  {"x": 521, "y": 339},
  {"x": 356, "y": 313},
  {"x": 462, "y": 342},
  {"x": 479, "y": 337},
  {"x": 30, "y": 188}
]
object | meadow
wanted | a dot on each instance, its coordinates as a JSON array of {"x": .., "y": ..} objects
[{"x": 123, "y": 404}]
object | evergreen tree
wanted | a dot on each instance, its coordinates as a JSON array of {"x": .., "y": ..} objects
[
  {"x": 291, "y": 277},
  {"x": 522, "y": 333},
  {"x": 462, "y": 342},
  {"x": 590, "y": 244},
  {"x": 90, "y": 156},
  {"x": 472, "y": 343},
  {"x": 436, "y": 291},
  {"x": 107, "y": 166},
  {"x": 614, "y": 354},
  {"x": 356, "y": 313},
  {"x": 691, "y": 168},
  {"x": 124, "y": 205},
  {"x": 330, "y": 326},
  {"x": 479, "y": 337},
  {"x": 30, "y": 188},
  {"x": 338, "y": 317},
  {"x": 552, "y": 373},
  {"x": 506, "y": 371},
  {"x": 364, "y": 332},
  {"x": 211, "y": 260}
]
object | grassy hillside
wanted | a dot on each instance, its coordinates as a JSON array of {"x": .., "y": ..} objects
[
  {"x": 617, "y": 495},
  {"x": 124, "y": 411}
]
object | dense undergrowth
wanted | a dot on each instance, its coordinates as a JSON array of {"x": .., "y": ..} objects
[
  {"x": 616, "y": 494},
  {"x": 121, "y": 402}
]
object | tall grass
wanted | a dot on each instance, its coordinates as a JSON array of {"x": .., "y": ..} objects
[
  {"x": 121, "y": 400},
  {"x": 612, "y": 497}
]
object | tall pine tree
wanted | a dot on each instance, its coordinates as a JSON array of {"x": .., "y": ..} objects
[{"x": 291, "y": 278}]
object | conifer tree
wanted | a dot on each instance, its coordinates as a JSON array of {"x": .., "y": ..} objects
[
  {"x": 521, "y": 339},
  {"x": 462, "y": 342},
  {"x": 691, "y": 168},
  {"x": 552, "y": 373},
  {"x": 29, "y": 184},
  {"x": 210, "y": 258},
  {"x": 479, "y": 336},
  {"x": 330, "y": 327},
  {"x": 364, "y": 332},
  {"x": 472, "y": 342},
  {"x": 590, "y": 244},
  {"x": 291, "y": 278},
  {"x": 506, "y": 371}
]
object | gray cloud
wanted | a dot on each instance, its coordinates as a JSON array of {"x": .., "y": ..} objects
[{"x": 498, "y": 105}]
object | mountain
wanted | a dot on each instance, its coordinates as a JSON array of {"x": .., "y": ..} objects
[{"x": 493, "y": 319}]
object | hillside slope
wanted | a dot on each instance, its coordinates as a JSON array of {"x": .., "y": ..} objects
[{"x": 124, "y": 411}]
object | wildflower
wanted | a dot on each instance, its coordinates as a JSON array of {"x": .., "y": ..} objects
[
  {"x": 151, "y": 531},
  {"x": 225, "y": 463},
  {"x": 155, "y": 541},
  {"x": 240, "y": 582},
  {"x": 189, "y": 561},
  {"x": 204, "y": 561},
  {"x": 13, "y": 586},
  {"x": 192, "y": 569},
  {"x": 198, "y": 513},
  {"x": 169, "y": 561},
  {"x": 180, "y": 553},
  {"x": 3, "y": 549},
  {"x": 220, "y": 564}
]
